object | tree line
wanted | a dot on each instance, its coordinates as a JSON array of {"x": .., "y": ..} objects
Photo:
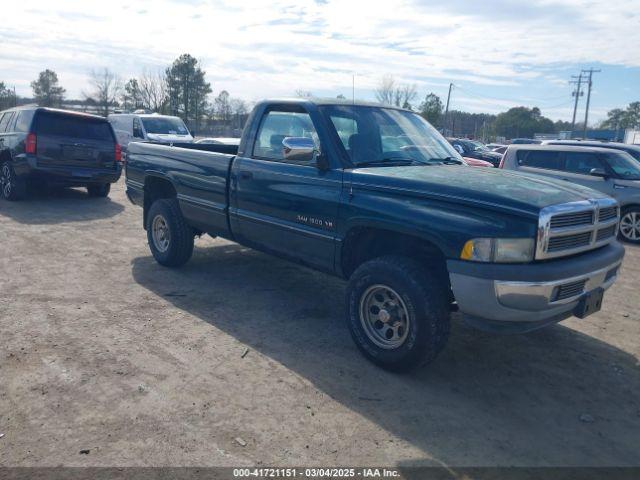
[
  {"x": 181, "y": 89},
  {"x": 515, "y": 122}
]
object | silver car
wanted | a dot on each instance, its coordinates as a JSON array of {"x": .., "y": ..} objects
[{"x": 613, "y": 172}]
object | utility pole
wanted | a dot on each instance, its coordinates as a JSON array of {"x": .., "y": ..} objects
[
  {"x": 446, "y": 110},
  {"x": 576, "y": 93},
  {"x": 591, "y": 71}
]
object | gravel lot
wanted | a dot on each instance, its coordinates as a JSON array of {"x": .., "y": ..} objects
[{"x": 243, "y": 359}]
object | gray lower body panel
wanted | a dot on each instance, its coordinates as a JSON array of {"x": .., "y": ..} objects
[{"x": 517, "y": 298}]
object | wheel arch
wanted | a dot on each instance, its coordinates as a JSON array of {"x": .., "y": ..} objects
[
  {"x": 366, "y": 242},
  {"x": 156, "y": 186}
]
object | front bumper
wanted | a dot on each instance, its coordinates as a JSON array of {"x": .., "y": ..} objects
[{"x": 502, "y": 297}]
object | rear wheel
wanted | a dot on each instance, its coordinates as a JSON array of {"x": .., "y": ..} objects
[
  {"x": 101, "y": 190},
  {"x": 630, "y": 224},
  {"x": 11, "y": 187},
  {"x": 170, "y": 238},
  {"x": 397, "y": 312}
]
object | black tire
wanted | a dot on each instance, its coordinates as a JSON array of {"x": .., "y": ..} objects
[
  {"x": 627, "y": 230},
  {"x": 11, "y": 187},
  {"x": 101, "y": 190},
  {"x": 425, "y": 295},
  {"x": 179, "y": 247}
]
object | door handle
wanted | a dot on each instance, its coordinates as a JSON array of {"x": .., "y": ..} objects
[{"x": 246, "y": 175}]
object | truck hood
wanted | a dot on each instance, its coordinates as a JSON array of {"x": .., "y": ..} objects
[{"x": 491, "y": 187}]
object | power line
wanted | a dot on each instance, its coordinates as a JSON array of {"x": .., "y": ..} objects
[
  {"x": 544, "y": 107},
  {"x": 528, "y": 100}
]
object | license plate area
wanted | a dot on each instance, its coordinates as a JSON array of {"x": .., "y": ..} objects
[
  {"x": 591, "y": 302},
  {"x": 77, "y": 153}
]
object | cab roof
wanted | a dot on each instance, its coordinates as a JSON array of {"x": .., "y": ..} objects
[{"x": 330, "y": 101}]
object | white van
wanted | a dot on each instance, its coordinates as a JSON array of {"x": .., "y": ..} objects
[{"x": 149, "y": 127}]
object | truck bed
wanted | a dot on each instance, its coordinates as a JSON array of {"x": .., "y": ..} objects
[{"x": 198, "y": 173}]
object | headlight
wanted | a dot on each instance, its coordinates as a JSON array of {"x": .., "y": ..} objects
[{"x": 500, "y": 250}]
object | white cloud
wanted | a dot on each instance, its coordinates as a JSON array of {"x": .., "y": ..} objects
[{"x": 262, "y": 48}]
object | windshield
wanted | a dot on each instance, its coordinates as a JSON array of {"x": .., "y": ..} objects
[
  {"x": 165, "y": 125},
  {"x": 377, "y": 135},
  {"x": 635, "y": 152},
  {"x": 624, "y": 166}
]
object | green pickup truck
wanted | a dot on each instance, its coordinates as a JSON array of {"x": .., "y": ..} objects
[{"x": 377, "y": 196}]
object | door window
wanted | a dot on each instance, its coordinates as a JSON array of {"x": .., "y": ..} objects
[
  {"x": 540, "y": 159},
  {"x": 345, "y": 127},
  {"x": 137, "y": 128},
  {"x": 5, "y": 120},
  {"x": 582, "y": 162},
  {"x": 275, "y": 127},
  {"x": 23, "y": 123}
]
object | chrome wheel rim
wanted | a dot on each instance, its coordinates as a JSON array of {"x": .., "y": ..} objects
[
  {"x": 384, "y": 316},
  {"x": 5, "y": 180},
  {"x": 630, "y": 226},
  {"x": 160, "y": 233}
]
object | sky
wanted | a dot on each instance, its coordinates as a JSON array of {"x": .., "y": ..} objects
[{"x": 497, "y": 53}]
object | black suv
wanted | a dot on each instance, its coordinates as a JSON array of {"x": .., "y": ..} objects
[{"x": 58, "y": 147}]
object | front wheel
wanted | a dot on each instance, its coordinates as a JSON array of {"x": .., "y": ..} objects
[
  {"x": 101, "y": 190},
  {"x": 11, "y": 187},
  {"x": 170, "y": 238},
  {"x": 397, "y": 312},
  {"x": 630, "y": 224}
]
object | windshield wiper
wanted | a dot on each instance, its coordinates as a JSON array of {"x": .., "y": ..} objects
[
  {"x": 391, "y": 162},
  {"x": 447, "y": 160}
]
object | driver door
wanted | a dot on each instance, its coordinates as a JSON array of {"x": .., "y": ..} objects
[{"x": 288, "y": 207}]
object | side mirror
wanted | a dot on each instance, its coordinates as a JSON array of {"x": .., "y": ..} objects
[
  {"x": 598, "y": 172},
  {"x": 299, "y": 149}
]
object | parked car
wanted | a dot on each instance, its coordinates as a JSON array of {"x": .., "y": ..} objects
[
  {"x": 493, "y": 146},
  {"x": 474, "y": 162},
  {"x": 149, "y": 127},
  {"x": 613, "y": 172},
  {"x": 415, "y": 231},
  {"x": 220, "y": 141},
  {"x": 58, "y": 147},
  {"x": 633, "y": 150},
  {"x": 472, "y": 149},
  {"x": 525, "y": 141}
]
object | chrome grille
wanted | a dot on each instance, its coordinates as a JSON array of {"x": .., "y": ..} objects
[
  {"x": 607, "y": 213},
  {"x": 569, "y": 290},
  {"x": 572, "y": 219},
  {"x": 567, "y": 242},
  {"x": 605, "y": 233},
  {"x": 571, "y": 228}
]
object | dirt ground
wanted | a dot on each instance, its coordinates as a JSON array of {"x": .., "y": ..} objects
[{"x": 243, "y": 359}]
